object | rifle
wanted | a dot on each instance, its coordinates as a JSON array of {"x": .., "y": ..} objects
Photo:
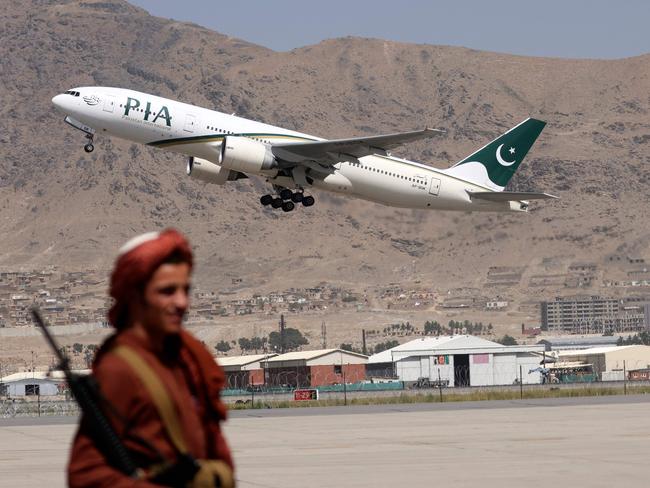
[{"x": 85, "y": 391}]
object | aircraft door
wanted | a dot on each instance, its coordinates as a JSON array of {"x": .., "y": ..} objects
[
  {"x": 190, "y": 122},
  {"x": 434, "y": 187},
  {"x": 109, "y": 103}
]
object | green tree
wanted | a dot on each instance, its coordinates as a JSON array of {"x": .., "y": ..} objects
[
  {"x": 258, "y": 343},
  {"x": 432, "y": 328},
  {"x": 77, "y": 348},
  {"x": 642, "y": 338},
  {"x": 244, "y": 344},
  {"x": 223, "y": 346},
  {"x": 293, "y": 339},
  {"x": 384, "y": 346},
  {"x": 346, "y": 346},
  {"x": 507, "y": 340}
]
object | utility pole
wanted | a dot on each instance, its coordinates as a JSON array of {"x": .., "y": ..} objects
[
  {"x": 282, "y": 327},
  {"x": 363, "y": 340},
  {"x": 323, "y": 333}
]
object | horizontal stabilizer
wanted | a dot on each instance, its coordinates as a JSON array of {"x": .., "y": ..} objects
[{"x": 508, "y": 196}]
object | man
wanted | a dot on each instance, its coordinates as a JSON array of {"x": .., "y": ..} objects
[{"x": 150, "y": 287}]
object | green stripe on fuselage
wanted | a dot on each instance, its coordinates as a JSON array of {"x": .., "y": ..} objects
[{"x": 220, "y": 137}]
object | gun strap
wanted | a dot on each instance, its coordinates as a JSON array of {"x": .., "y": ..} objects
[
  {"x": 210, "y": 470},
  {"x": 160, "y": 396}
]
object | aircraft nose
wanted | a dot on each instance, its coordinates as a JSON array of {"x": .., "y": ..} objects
[{"x": 57, "y": 101}]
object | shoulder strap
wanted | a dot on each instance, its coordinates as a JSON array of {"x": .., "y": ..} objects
[{"x": 155, "y": 388}]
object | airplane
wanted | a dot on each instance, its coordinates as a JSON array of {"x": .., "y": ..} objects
[{"x": 222, "y": 148}]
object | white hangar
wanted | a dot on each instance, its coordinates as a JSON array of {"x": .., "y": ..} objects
[
  {"x": 459, "y": 360},
  {"x": 37, "y": 383}
]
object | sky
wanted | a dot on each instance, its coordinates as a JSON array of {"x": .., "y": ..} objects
[{"x": 600, "y": 29}]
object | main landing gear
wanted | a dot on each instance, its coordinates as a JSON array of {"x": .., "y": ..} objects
[{"x": 287, "y": 200}]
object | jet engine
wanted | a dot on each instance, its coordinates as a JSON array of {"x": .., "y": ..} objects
[
  {"x": 204, "y": 170},
  {"x": 246, "y": 155}
]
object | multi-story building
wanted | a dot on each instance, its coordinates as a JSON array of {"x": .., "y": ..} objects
[{"x": 589, "y": 314}]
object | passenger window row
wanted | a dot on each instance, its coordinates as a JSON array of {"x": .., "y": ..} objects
[
  {"x": 215, "y": 129},
  {"x": 395, "y": 175}
]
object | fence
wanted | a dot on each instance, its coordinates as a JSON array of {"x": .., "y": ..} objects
[
  {"x": 37, "y": 407},
  {"x": 334, "y": 387}
]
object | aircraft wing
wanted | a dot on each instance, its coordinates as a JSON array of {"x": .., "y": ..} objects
[
  {"x": 337, "y": 150},
  {"x": 507, "y": 196}
]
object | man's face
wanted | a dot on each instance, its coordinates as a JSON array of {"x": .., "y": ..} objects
[{"x": 166, "y": 299}]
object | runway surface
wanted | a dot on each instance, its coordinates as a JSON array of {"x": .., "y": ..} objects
[{"x": 596, "y": 442}]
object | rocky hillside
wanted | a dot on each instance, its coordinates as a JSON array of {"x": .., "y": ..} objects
[{"x": 59, "y": 205}]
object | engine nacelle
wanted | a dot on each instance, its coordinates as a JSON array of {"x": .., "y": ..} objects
[
  {"x": 246, "y": 155},
  {"x": 204, "y": 170}
]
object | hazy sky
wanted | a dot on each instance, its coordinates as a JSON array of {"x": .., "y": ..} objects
[{"x": 558, "y": 28}]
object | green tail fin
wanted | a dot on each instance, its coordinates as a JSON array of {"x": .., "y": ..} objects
[{"x": 494, "y": 164}]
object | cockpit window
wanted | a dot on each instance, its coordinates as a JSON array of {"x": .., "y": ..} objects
[{"x": 73, "y": 93}]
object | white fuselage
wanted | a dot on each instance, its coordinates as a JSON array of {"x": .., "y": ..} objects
[{"x": 199, "y": 132}]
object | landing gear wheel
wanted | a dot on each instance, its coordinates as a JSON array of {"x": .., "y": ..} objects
[
  {"x": 89, "y": 148},
  {"x": 266, "y": 200},
  {"x": 276, "y": 203},
  {"x": 288, "y": 206},
  {"x": 308, "y": 201},
  {"x": 285, "y": 194},
  {"x": 297, "y": 197}
]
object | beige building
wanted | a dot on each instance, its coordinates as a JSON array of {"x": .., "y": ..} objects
[{"x": 609, "y": 362}]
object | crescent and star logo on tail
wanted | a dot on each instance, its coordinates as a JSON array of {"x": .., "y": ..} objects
[{"x": 502, "y": 161}]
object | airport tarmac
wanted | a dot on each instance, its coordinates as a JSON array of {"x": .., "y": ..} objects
[{"x": 595, "y": 442}]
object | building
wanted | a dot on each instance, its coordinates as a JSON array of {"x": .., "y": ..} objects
[
  {"x": 244, "y": 371},
  {"x": 37, "y": 383},
  {"x": 610, "y": 363},
  {"x": 579, "y": 314},
  {"x": 571, "y": 343},
  {"x": 310, "y": 369},
  {"x": 591, "y": 315},
  {"x": 460, "y": 360}
]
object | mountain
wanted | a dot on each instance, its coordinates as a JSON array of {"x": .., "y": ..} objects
[{"x": 62, "y": 206}]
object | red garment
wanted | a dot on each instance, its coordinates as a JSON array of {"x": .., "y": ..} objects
[
  {"x": 193, "y": 381},
  {"x": 135, "y": 265}
]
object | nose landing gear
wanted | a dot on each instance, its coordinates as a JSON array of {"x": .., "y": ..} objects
[
  {"x": 89, "y": 147},
  {"x": 287, "y": 200},
  {"x": 89, "y": 131}
]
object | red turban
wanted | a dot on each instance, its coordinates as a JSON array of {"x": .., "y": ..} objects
[{"x": 136, "y": 262}]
